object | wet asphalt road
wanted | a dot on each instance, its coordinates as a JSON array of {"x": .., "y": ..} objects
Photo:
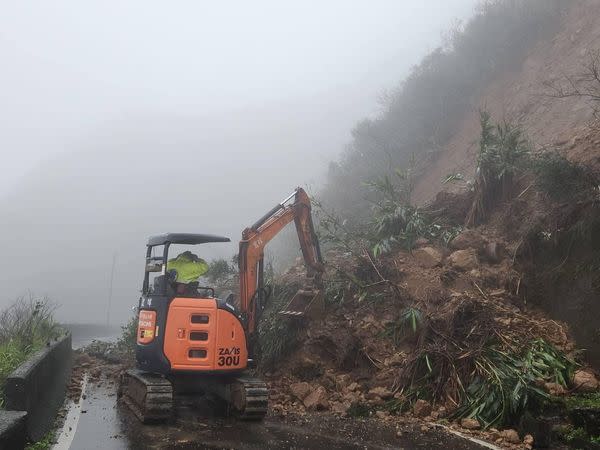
[{"x": 98, "y": 422}]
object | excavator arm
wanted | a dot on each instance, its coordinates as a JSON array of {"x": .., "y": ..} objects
[{"x": 251, "y": 255}]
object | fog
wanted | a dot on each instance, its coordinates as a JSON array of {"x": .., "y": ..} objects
[{"x": 119, "y": 120}]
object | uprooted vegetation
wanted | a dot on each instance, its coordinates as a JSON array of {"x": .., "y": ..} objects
[
  {"x": 430, "y": 315},
  {"x": 25, "y": 327}
]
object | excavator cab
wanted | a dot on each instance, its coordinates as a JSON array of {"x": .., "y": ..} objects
[
  {"x": 157, "y": 257},
  {"x": 179, "y": 323}
]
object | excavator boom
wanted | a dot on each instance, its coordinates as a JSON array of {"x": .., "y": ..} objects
[{"x": 251, "y": 257}]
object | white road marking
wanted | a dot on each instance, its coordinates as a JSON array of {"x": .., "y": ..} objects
[{"x": 67, "y": 434}]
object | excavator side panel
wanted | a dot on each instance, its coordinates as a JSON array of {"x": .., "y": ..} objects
[
  {"x": 199, "y": 336},
  {"x": 231, "y": 351}
]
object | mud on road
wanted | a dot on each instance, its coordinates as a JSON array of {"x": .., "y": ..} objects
[{"x": 96, "y": 420}]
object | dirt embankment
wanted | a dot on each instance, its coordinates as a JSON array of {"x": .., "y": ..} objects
[
  {"x": 519, "y": 95},
  {"x": 561, "y": 281}
]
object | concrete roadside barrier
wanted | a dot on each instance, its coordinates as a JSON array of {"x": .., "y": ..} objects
[
  {"x": 38, "y": 386},
  {"x": 12, "y": 429}
]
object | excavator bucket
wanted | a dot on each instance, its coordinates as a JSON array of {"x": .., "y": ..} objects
[{"x": 306, "y": 303}]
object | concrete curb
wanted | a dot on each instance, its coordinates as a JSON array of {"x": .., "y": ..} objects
[
  {"x": 38, "y": 386},
  {"x": 12, "y": 429}
]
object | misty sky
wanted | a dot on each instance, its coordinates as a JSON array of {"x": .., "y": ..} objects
[
  {"x": 68, "y": 65},
  {"x": 123, "y": 119}
]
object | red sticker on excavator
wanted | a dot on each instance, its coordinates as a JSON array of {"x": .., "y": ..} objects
[{"x": 146, "y": 326}]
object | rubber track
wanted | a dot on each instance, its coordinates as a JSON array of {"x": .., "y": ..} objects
[
  {"x": 252, "y": 400},
  {"x": 149, "y": 396}
]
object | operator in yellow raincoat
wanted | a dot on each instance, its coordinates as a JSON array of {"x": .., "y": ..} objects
[{"x": 186, "y": 268}]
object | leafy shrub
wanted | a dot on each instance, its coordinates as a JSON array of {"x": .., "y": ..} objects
[
  {"x": 276, "y": 334},
  {"x": 358, "y": 409},
  {"x": 28, "y": 321},
  {"x": 503, "y": 153},
  {"x": 128, "y": 339},
  {"x": 561, "y": 178},
  {"x": 220, "y": 270},
  {"x": 395, "y": 221},
  {"x": 408, "y": 324},
  {"x": 25, "y": 327}
]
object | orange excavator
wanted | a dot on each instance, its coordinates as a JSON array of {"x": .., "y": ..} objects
[{"x": 195, "y": 343}]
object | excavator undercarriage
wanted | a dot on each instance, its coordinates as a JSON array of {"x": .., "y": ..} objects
[
  {"x": 148, "y": 395},
  {"x": 152, "y": 397}
]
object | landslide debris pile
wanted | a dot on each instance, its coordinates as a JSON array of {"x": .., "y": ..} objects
[
  {"x": 426, "y": 319},
  {"x": 446, "y": 310}
]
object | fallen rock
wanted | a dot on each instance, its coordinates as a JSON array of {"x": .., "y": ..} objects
[
  {"x": 351, "y": 397},
  {"x": 555, "y": 389},
  {"x": 470, "y": 424},
  {"x": 382, "y": 414},
  {"x": 397, "y": 359},
  {"x": 427, "y": 257},
  {"x": 422, "y": 408},
  {"x": 585, "y": 381},
  {"x": 339, "y": 408},
  {"x": 421, "y": 242},
  {"x": 528, "y": 440},
  {"x": 300, "y": 390},
  {"x": 465, "y": 260},
  {"x": 317, "y": 400},
  {"x": 342, "y": 380},
  {"x": 510, "y": 436},
  {"x": 467, "y": 239},
  {"x": 442, "y": 412},
  {"x": 494, "y": 434},
  {"x": 380, "y": 392},
  {"x": 353, "y": 386}
]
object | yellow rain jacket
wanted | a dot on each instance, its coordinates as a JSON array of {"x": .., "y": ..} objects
[{"x": 188, "y": 267}]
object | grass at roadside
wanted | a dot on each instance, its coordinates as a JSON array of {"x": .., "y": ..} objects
[
  {"x": 25, "y": 327},
  {"x": 45, "y": 443}
]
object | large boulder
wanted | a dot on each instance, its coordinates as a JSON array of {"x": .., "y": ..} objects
[
  {"x": 467, "y": 239},
  {"x": 464, "y": 260},
  {"x": 427, "y": 257},
  {"x": 585, "y": 381}
]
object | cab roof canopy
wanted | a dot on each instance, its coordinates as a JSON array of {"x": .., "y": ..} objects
[{"x": 185, "y": 238}]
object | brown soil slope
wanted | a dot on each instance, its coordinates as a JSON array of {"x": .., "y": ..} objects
[{"x": 520, "y": 95}]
